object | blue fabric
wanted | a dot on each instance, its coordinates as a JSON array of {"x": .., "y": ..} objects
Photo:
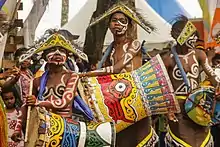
[
  {"x": 69, "y": 138},
  {"x": 80, "y": 105},
  {"x": 168, "y": 9},
  {"x": 107, "y": 53},
  {"x": 179, "y": 64},
  {"x": 43, "y": 83},
  {"x": 70, "y": 65}
]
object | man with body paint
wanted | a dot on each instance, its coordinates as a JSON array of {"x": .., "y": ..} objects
[
  {"x": 124, "y": 55},
  {"x": 182, "y": 130},
  {"x": 56, "y": 88}
]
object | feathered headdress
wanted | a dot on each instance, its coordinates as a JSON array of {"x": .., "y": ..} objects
[{"x": 129, "y": 12}]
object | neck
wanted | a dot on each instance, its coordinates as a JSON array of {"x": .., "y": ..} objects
[
  {"x": 10, "y": 110},
  {"x": 53, "y": 68},
  {"x": 182, "y": 50},
  {"x": 119, "y": 39},
  {"x": 23, "y": 69}
]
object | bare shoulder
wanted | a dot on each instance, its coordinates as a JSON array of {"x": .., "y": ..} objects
[
  {"x": 69, "y": 74},
  {"x": 134, "y": 45},
  {"x": 200, "y": 54}
]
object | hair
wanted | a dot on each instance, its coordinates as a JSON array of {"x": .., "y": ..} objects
[
  {"x": 20, "y": 52},
  {"x": 177, "y": 27},
  {"x": 216, "y": 57},
  {"x": 18, "y": 102}
]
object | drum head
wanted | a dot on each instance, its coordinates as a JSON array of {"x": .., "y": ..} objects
[{"x": 199, "y": 106}]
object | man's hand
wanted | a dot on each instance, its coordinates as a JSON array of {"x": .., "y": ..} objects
[
  {"x": 171, "y": 116},
  {"x": 14, "y": 71},
  {"x": 16, "y": 136},
  {"x": 31, "y": 100}
]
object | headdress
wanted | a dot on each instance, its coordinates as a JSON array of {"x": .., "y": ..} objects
[
  {"x": 131, "y": 13},
  {"x": 53, "y": 39},
  {"x": 187, "y": 31}
]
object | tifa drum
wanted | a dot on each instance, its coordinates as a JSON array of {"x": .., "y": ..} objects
[
  {"x": 202, "y": 108},
  {"x": 129, "y": 97},
  {"x": 47, "y": 129}
]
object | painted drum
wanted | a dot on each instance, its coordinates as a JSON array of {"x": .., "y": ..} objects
[
  {"x": 129, "y": 97},
  {"x": 202, "y": 108},
  {"x": 49, "y": 129}
]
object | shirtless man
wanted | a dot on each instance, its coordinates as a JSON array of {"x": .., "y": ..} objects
[
  {"x": 124, "y": 55},
  {"x": 183, "y": 131},
  {"x": 56, "y": 88}
]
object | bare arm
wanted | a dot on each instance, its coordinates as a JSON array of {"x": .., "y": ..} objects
[
  {"x": 132, "y": 51},
  {"x": 203, "y": 59},
  {"x": 14, "y": 74}
]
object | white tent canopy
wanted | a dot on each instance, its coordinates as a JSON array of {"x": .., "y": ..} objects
[{"x": 78, "y": 24}]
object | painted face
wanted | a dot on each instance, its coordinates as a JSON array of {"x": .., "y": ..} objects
[
  {"x": 9, "y": 100},
  {"x": 118, "y": 24},
  {"x": 25, "y": 63},
  {"x": 191, "y": 41},
  {"x": 57, "y": 55}
]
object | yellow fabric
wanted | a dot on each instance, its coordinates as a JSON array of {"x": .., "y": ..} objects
[
  {"x": 146, "y": 139},
  {"x": 187, "y": 145},
  {"x": 206, "y": 83}
]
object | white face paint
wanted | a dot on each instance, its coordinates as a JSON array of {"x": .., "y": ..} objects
[
  {"x": 191, "y": 41},
  {"x": 124, "y": 27},
  {"x": 57, "y": 57}
]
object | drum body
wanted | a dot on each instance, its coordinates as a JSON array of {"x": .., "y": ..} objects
[
  {"x": 202, "y": 108},
  {"x": 49, "y": 129},
  {"x": 129, "y": 97}
]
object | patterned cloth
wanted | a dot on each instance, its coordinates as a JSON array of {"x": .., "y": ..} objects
[
  {"x": 24, "y": 84},
  {"x": 12, "y": 119}
]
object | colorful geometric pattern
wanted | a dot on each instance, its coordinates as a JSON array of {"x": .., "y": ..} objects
[
  {"x": 69, "y": 133},
  {"x": 129, "y": 97},
  {"x": 202, "y": 108}
]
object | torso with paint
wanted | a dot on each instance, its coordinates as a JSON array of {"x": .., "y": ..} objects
[
  {"x": 191, "y": 67},
  {"x": 119, "y": 52},
  {"x": 54, "y": 90}
]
